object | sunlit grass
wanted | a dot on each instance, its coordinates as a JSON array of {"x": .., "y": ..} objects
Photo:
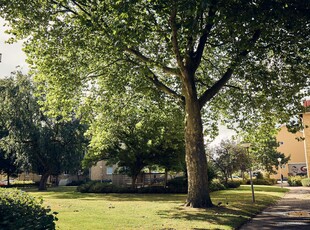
[{"x": 154, "y": 211}]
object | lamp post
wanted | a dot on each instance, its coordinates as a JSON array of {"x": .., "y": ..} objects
[
  {"x": 247, "y": 146},
  {"x": 280, "y": 166},
  {"x": 101, "y": 173}
]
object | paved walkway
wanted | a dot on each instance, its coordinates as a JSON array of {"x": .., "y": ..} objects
[{"x": 291, "y": 212}]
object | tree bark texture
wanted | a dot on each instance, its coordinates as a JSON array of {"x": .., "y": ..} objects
[
  {"x": 43, "y": 181},
  {"x": 196, "y": 160}
]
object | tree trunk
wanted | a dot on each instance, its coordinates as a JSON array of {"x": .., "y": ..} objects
[
  {"x": 43, "y": 181},
  {"x": 133, "y": 181},
  {"x": 166, "y": 178},
  {"x": 196, "y": 160},
  {"x": 8, "y": 178}
]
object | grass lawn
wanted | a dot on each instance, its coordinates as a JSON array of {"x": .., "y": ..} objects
[{"x": 154, "y": 211}]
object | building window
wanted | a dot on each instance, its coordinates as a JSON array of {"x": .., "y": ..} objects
[{"x": 109, "y": 170}]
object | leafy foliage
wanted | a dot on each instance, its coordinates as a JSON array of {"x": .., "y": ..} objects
[
  {"x": 48, "y": 146},
  {"x": 177, "y": 185},
  {"x": 263, "y": 149},
  {"x": 239, "y": 61},
  {"x": 18, "y": 210},
  {"x": 295, "y": 180},
  {"x": 229, "y": 158},
  {"x": 134, "y": 131},
  {"x": 305, "y": 182}
]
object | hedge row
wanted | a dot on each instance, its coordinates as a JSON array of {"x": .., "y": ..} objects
[
  {"x": 263, "y": 181},
  {"x": 178, "y": 186},
  {"x": 19, "y": 210}
]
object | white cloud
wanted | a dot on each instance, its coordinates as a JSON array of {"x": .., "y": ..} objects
[{"x": 12, "y": 54}]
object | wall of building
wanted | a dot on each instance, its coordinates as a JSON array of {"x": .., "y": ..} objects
[
  {"x": 306, "y": 122},
  {"x": 101, "y": 171},
  {"x": 290, "y": 146}
]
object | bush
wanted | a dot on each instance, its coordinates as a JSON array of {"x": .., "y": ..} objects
[
  {"x": 233, "y": 184},
  {"x": 305, "y": 182},
  {"x": 19, "y": 210},
  {"x": 177, "y": 182},
  {"x": 76, "y": 183},
  {"x": 295, "y": 180},
  {"x": 104, "y": 187},
  {"x": 216, "y": 185},
  {"x": 178, "y": 185},
  {"x": 85, "y": 187},
  {"x": 264, "y": 181}
]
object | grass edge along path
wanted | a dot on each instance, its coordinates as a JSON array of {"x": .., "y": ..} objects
[{"x": 155, "y": 211}]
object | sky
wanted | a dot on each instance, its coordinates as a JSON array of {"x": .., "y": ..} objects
[{"x": 12, "y": 54}]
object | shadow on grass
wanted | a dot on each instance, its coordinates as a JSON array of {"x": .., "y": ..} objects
[
  {"x": 234, "y": 210},
  {"x": 238, "y": 196},
  {"x": 70, "y": 193}
]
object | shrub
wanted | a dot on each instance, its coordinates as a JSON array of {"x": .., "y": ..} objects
[
  {"x": 76, "y": 183},
  {"x": 305, "y": 182},
  {"x": 19, "y": 210},
  {"x": 177, "y": 182},
  {"x": 264, "y": 181},
  {"x": 175, "y": 186},
  {"x": 295, "y": 180},
  {"x": 233, "y": 184},
  {"x": 85, "y": 187},
  {"x": 216, "y": 185}
]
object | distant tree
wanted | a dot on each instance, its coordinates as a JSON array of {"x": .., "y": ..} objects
[
  {"x": 49, "y": 145},
  {"x": 135, "y": 132},
  {"x": 264, "y": 145},
  {"x": 8, "y": 165},
  {"x": 229, "y": 157}
]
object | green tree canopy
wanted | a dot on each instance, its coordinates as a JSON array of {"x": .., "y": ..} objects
[
  {"x": 135, "y": 131},
  {"x": 229, "y": 157},
  {"x": 48, "y": 145},
  {"x": 240, "y": 59}
]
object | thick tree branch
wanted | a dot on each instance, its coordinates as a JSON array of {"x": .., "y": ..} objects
[
  {"x": 174, "y": 38},
  {"x": 145, "y": 59},
  {"x": 203, "y": 39},
  {"x": 81, "y": 8},
  {"x": 68, "y": 9},
  {"x": 161, "y": 86},
  {"x": 211, "y": 92}
]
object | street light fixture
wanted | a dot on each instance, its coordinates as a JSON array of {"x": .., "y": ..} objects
[
  {"x": 247, "y": 146},
  {"x": 280, "y": 166}
]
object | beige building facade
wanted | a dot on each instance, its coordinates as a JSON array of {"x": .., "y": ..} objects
[
  {"x": 297, "y": 146},
  {"x": 101, "y": 171}
]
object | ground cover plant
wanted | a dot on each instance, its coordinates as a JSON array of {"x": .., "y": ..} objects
[{"x": 154, "y": 211}]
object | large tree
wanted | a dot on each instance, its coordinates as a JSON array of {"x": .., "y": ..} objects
[{"x": 213, "y": 56}]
